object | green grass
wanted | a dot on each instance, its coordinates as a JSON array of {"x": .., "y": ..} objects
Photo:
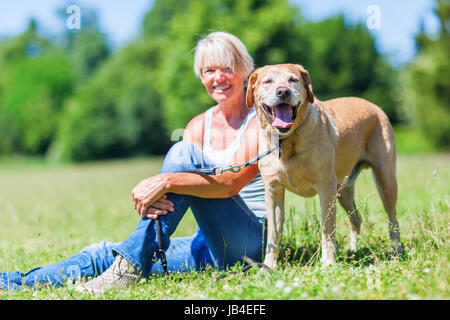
[
  {"x": 48, "y": 213},
  {"x": 412, "y": 140}
]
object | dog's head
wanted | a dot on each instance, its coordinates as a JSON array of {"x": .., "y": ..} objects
[{"x": 278, "y": 92}]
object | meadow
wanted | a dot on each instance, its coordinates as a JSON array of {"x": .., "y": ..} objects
[{"x": 49, "y": 212}]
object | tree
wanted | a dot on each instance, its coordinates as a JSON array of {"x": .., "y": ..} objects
[
  {"x": 116, "y": 113},
  {"x": 26, "y": 45},
  {"x": 35, "y": 78},
  {"x": 88, "y": 103},
  {"x": 87, "y": 47},
  {"x": 344, "y": 61},
  {"x": 427, "y": 92}
]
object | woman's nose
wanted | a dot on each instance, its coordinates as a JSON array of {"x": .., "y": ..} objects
[{"x": 218, "y": 75}]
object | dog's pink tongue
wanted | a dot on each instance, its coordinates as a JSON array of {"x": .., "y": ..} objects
[{"x": 282, "y": 117}]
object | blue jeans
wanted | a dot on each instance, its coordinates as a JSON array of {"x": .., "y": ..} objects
[{"x": 227, "y": 232}]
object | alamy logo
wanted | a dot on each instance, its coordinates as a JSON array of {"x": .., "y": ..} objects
[
  {"x": 74, "y": 20},
  {"x": 374, "y": 19}
]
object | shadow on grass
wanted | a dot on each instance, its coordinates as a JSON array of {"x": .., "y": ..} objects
[{"x": 310, "y": 255}]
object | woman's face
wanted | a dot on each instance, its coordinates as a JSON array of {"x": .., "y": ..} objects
[{"x": 222, "y": 84}]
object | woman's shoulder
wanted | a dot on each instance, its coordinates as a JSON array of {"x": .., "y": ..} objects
[
  {"x": 194, "y": 129},
  {"x": 198, "y": 119}
]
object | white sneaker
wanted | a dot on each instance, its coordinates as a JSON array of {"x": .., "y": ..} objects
[{"x": 120, "y": 274}]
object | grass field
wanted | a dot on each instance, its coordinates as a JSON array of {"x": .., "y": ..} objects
[{"x": 48, "y": 213}]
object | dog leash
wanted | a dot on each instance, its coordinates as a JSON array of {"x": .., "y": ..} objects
[
  {"x": 216, "y": 171},
  {"x": 161, "y": 251}
]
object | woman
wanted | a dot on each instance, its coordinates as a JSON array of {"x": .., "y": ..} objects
[{"x": 229, "y": 209}]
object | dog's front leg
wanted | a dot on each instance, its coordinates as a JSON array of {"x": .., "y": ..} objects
[
  {"x": 275, "y": 213},
  {"x": 327, "y": 195}
]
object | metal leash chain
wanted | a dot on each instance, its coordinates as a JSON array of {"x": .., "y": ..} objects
[{"x": 216, "y": 171}]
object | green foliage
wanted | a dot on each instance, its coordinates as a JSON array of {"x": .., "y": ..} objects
[
  {"x": 34, "y": 82},
  {"x": 427, "y": 84},
  {"x": 86, "y": 47},
  {"x": 410, "y": 140},
  {"x": 33, "y": 98},
  {"x": 344, "y": 61},
  {"x": 71, "y": 98},
  {"x": 115, "y": 114},
  {"x": 26, "y": 45}
]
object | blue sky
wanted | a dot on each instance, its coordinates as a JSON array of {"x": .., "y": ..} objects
[{"x": 121, "y": 19}]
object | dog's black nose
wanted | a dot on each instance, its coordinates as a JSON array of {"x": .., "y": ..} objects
[{"x": 283, "y": 92}]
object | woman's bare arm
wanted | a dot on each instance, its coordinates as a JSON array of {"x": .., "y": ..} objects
[{"x": 151, "y": 189}]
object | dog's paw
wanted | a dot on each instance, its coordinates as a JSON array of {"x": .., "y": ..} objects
[
  {"x": 328, "y": 262},
  {"x": 397, "y": 249},
  {"x": 264, "y": 270}
]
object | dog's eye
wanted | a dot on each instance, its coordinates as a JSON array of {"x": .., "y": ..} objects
[
  {"x": 292, "y": 79},
  {"x": 267, "y": 81}
]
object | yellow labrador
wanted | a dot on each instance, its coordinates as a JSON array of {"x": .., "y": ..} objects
[{"x": 325, "y": 144}]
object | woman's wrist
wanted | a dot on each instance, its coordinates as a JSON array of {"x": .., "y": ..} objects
[{"x": 167, "y": 179}]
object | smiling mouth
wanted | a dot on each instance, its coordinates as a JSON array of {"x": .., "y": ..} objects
[
  {"x": 282, "y": 115},
  {"x": 221, "y": 88}
]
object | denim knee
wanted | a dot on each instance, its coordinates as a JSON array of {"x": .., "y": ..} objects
[{"x": 184, "y": 156}]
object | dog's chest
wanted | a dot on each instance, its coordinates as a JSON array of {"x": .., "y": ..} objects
[
  {"x": 297, "y": 178},
  {"x": 291, "y": 172}
]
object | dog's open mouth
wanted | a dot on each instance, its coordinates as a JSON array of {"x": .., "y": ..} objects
[{"x": 282, "y": 115}]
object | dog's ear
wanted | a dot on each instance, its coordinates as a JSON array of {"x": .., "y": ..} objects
[
  {"x": 306, "y": 82},
  {"x": 250, "y": 88}
]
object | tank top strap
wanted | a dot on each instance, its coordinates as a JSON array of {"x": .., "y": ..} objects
[
  {"x": 223, "y": 157},
  {"x": 207, "y": 126},
  {"x": 244, "y": 124}
]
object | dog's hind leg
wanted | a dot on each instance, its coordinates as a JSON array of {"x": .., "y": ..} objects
[
  {"x": 382, "y": 153},
  {"x": 387, "y": 188},
  {"x": 347, "y": 200}
]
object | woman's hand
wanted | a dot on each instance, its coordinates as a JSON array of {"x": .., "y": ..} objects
[
  {"x": 149, "y": 197},
  {"x": 160, "y": 207}
]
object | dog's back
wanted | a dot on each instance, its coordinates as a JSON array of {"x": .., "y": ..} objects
[{"x": 364, "y": 129}]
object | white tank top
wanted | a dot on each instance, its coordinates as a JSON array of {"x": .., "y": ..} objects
[{"x": 252, "y": 193}]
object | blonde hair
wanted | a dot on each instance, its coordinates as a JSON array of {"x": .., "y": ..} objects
[{"x": 222, "y": 49}]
